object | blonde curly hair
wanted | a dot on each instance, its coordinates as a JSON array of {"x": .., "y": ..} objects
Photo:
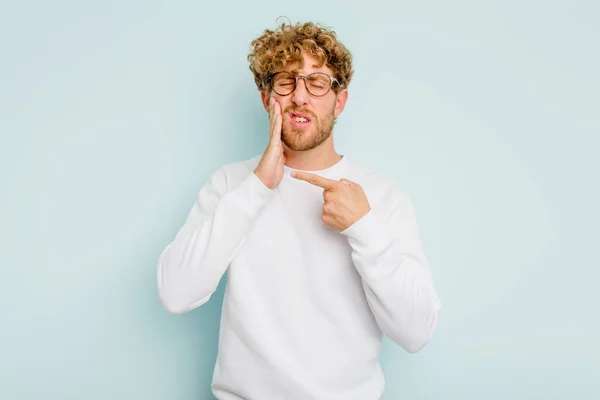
[{"x": 273, "y": 50}]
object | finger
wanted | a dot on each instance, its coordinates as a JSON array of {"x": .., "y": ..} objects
[
  {"x": 328, "y": 209},
  {"x": 270, "y": 109},
  {"x": 329, "y": 196},
  {"x": 316, "y": 180},
  {"x": 329, "y": 220},
  {"x": 275, "y": 126},
  {"x": 346, "y": 182},
  {"x": 276, "y": 129},
  {"x": 276, "y": 108},
  {"x": 272, "y": 104}
]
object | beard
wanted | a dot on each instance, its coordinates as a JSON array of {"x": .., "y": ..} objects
[{"x": 307, "y": 139}]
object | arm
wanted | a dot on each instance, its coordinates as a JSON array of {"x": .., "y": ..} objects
[
  {"x": 387, "y": 253},
  {"x": 191, "y": 266}
]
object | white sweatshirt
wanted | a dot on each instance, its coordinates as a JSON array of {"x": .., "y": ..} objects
[{"x": 305, "y": 305}]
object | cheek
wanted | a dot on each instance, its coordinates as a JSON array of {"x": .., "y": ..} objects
[
  {"x": 284, "y": 102},
  {"x": 326, "y": 109}
]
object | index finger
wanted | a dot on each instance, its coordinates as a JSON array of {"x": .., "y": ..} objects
[{"x": 315, "y": 179}]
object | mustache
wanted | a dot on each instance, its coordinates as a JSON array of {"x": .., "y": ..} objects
[{"x": 300, "y": 111}]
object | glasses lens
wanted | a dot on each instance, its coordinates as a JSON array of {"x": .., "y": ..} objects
[
  {"x": 318, "y": 84},
  {"x": 283, "y": 83}
]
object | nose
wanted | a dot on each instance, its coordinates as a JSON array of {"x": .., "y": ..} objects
[{"x": 300, "y": 95}]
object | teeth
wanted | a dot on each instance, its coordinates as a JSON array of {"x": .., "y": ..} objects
[{"x": 300, "y": 119}]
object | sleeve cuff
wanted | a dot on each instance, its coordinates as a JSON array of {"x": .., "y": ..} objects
[{"x": 370, "y": 234}]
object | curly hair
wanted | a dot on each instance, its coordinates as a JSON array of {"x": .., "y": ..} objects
[{"x": 273, "y": 50}]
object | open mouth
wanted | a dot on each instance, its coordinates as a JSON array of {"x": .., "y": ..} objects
[{"x": 300, "y": 118}]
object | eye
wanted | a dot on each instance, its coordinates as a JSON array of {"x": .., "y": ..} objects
[{"x": 318, "y": 81}]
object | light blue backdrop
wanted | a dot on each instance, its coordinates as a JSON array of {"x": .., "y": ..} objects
[{"x": 114, "y": 113}]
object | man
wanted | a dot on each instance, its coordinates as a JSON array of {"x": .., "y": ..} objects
[{"x": 323, "y": 255}]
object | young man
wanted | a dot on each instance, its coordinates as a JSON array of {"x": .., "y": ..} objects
[{"x": 323, "y": 255}]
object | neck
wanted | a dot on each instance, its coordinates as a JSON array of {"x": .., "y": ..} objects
[{"x": 317, "y": 159}]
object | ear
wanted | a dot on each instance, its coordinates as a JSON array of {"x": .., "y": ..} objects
[
  {"x": 265, "y": 97},
  {"x": 340, "y": 102}
]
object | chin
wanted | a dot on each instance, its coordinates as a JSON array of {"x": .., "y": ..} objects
[
  {"x": 293, "y": 138},
  {"x": 302, "y": 141},
  {"x": 296, "y": 145}
]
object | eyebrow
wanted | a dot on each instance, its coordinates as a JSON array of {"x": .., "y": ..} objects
[{"x": 296, "y": 71}]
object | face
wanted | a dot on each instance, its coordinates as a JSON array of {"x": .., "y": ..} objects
[{"x": 307, "y": 120}]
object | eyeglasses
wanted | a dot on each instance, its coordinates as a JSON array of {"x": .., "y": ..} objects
[{"x": 317, "y": 83}]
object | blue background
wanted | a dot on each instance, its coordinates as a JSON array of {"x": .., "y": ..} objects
[{"x": 114, "y": 113}]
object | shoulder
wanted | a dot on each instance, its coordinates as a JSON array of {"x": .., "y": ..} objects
[
  {"x": 231, "y": 174},
  {"x": 381, "y": 188}
]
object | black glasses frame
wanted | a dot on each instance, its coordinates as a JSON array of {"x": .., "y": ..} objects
[{"x": 332, "y": 80}]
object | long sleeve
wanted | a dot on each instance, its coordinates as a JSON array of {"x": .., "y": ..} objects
[
  {"x": 387, "y": 252},
  {"x": 191, "y": 266}
]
